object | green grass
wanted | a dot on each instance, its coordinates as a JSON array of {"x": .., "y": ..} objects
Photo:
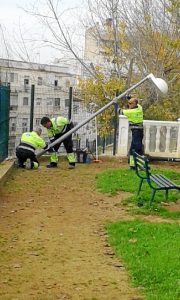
[
  {"x": 114, "y": 180},
  {"x": 151, "y": 255}
]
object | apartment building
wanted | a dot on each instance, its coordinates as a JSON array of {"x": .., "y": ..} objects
[
  {"x": 42, "y": 90},
  {"x": 102, "y": 48},
  {"x": 97, "y": 38}
]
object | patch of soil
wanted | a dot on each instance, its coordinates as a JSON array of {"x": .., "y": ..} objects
[
  {"x": 171, "y": 206},
  {"x": 53, "y": 241}
]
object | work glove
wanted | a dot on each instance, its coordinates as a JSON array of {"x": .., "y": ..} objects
[
  {"x": 46, "y": 146},
  {"x": 51, "y": 149},
  {"x": 71, "y": 125},
  {"x": 52, "y": 139},
  {"x": 120, "y": 112}
]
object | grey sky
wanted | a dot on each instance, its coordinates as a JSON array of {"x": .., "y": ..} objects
[{"x": 15, "y": 23}]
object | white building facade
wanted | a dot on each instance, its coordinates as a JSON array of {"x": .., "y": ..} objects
[{"x": 51, "y": 85}]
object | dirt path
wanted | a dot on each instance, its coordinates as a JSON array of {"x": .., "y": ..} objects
[{"x": 52, "y": 237}]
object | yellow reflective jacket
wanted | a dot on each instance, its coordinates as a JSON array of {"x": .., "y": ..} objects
[
  {"x": 32, "y": 139},
  {"x": 134, "y": 115},
  {"x": 58, "y": 126}
]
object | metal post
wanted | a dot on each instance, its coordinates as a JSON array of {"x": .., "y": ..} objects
[
  {"x": 115, "y": 128},
  {"x": 96, "y": 138},
  {"x": 104, "y": 144},
  {"x": 116, "y": 108},
  {"x": 32, "y": 107},
  {"x": 70, "y": 102}
]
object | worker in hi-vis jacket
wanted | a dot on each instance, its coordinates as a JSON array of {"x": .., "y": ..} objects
[
  {"x": 135, "y": 117},
  {"x": 25, "y": 151},
  {"x": 56, "y": 127}
]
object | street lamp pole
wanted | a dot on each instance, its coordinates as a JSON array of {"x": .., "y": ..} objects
[{"x": 158, "y": 82}]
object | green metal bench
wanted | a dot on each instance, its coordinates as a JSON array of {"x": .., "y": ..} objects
[{"x": 156, "y": 182}]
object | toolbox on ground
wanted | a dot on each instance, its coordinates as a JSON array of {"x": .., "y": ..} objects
[{"x": 82, "y": 156}]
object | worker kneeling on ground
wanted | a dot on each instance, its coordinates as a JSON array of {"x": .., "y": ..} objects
[
  {"x": 25, "y": 152},
  {"x": 57, "y": 127}
]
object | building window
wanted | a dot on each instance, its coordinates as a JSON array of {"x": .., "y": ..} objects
[
  {"x": 13, "y": 107},
  {"x": 13, "y": 124},
  {"x": 75, "y": 109},
  {"x": 14, "y": 102},
  {"x": 66, "y": 102},
  {"x": 26, "y": 81},
  {"x": 13, "y": 127},
  {"x": 57, "y": 102},
  {"x": 56, "y": 82},
  {"x": 13, "y": 77},
  {"x": 67, "y": 83},
  {"x": 24, "y": 124},
  {"x": 49, "y": 101},
  {"x": 40, "y": 80},
  {"x": 26, "y": 84},
  {"x": 37, "y": 122},
  {"x": 25, "y": 100},
  {"x": 38, "y": 101}
]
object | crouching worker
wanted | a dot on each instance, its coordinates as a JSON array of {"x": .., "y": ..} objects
[
  {"x": 25, "y": 151},
  {"x": 56, "y": 127}
]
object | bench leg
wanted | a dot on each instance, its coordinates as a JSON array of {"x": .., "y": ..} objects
[
  {"x": 152, "y": 196},
  {"x": 140, "y": 185},
  {"x": 166, "y": 194}
]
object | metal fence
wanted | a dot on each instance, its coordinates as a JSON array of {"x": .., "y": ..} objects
[
  {"x": 29, "y": 105},
  {"x": 4, "y": 120}
]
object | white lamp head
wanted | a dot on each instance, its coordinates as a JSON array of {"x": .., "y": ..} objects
[{"x": 159, "y": 83}]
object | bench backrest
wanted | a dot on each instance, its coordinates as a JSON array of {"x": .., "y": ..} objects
[{"x": 142, "y": 167}]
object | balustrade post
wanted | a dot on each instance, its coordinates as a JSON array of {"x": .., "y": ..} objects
[
  {"x": 123, "y": 136},
  {"x": 168, "y": 138},
  {"x": 147, "y": 139},
  {"x": 158, "y": 139},
  {"x": 178, "y": 140}
]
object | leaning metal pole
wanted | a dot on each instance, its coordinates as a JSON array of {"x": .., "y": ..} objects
[{"x": 115, "y": 100}]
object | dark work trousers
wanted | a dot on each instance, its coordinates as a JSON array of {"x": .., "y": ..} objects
[
  {"x": 68, "y": 143},
  {"x": 136, "y": 143},
  {"x": 23, "y": 155}
]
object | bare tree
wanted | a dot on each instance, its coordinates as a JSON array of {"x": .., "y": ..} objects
[
  {"x": 133, "y": 37},
  {"x": 57, "y": 35}
]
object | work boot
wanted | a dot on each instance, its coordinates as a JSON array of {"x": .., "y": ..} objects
[
  {"x": 132, "y": 168},
  {"x": 35, "y": 165},
  {"x": 71, "y": 166},
  {"x": 52, "y": 165},
  {"x": 28, "y": 164}
]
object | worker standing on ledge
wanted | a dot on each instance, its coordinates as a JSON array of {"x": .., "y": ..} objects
[
  {"x": 56, "y": 127},
  {"x": 135, "y": 118}
]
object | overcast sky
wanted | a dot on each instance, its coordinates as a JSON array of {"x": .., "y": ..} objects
[{"x": 15, "y": 24}]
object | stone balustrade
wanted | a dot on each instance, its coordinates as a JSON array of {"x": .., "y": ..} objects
[{"x": 161, "y": 138}]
